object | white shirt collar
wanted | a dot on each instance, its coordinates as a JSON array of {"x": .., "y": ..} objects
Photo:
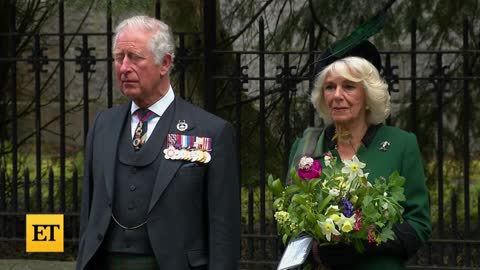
[{"x": 160, "y": 106}]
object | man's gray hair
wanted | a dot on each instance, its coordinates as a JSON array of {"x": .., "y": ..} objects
[{"x": 162, "y": 41}]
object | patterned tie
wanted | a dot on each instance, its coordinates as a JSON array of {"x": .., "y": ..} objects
[{"x": 140, "y": 136}]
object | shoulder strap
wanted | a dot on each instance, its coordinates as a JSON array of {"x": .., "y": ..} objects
[
  {"x": 311, "y": 144},
  {"x": 310, "y": 140}
]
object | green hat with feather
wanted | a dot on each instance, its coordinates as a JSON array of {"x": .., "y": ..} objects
[{"x": 356, "y": 44}]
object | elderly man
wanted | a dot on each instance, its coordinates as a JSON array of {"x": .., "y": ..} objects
[{"x": 160, "y": 189}]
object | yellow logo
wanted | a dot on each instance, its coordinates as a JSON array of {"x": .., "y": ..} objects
[{"x": 44, "y": 233}]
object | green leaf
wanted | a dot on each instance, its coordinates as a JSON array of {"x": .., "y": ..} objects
[
  {"x": 324, "y": 203},
  {"x": 380, "y": 224},
  {"x": 358, "y": 245},
  {"x": 299, "y": 182},
  {"x": 387, "y": 234},
  {"x": 396, "y": 180},
  {"x": 275, "y": 186},
  {"x": 284, "y": 239},
  {"x": 397, "y": 193},
  {"x": 314, "y": 183},
  {"x": 292, "y": 189},
  {"x": 277, "y": 203},
  {"x": 308, "y": 267},
  {"x": 270, "y": 179},
  {"x": 300, "y": 199},
  {"x": 367, "y": 200}
]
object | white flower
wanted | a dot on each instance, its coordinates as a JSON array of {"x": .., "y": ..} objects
[
  {"x": 305, "y": 162},
  {"x": 327, "y": 160},
  {"x": 328, "y": 228},
  {"x": 385, "y": 194},
  {"x": 385, "y": 206},
  {"x": 332, "y": 209},
  {"x": 334, "y": 192},
  {"x": 353, "y": 167}
]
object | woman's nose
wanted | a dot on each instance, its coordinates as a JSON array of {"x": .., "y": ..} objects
[{"x": 338, "y": 92}]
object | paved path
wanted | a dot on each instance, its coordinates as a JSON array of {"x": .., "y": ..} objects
[{"x": 35, "y": 265}]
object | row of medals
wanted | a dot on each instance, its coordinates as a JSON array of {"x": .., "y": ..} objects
[{"x": 194, "y": 155}]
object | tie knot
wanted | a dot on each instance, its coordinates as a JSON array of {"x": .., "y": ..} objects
[{"x": 142, "y": 112}]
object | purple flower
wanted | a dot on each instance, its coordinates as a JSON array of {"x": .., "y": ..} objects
[
  {"x": 347, "y": 207},
  {"x": 309, "y": 168}
]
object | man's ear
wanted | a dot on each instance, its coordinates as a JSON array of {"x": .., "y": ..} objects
[{"x": 166, "y": 63}]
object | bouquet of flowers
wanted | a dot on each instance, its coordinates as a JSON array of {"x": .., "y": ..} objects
[{"x": 337, "y": 204}]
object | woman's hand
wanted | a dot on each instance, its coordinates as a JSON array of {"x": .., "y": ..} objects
[{"x": 336, "y": 255}]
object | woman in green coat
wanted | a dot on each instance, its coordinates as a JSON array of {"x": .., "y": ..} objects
[{"x": 352, "y": 98}]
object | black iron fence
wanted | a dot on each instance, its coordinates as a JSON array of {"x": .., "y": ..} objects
[{"x": 65, "y": 77}]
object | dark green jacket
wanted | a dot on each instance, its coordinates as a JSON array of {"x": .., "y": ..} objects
[{"x": 402, "y": 155}]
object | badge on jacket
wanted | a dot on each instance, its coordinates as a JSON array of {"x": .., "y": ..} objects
[{"x": 182, "y": 125}]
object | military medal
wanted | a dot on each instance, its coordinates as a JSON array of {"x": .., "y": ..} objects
[
  {"x": 195, "y": 155},
  {"x": 169, "y": 152},
  {"x": 187, "y": 147},
  {"x": 136, "y": 142},
  {"x": 178, "y": 154},
  {"x": 208, "y": 157}
]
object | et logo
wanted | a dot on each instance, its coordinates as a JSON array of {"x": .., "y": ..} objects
[{"x": 44, "y": 233}]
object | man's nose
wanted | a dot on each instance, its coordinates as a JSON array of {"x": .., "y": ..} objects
[{"x": 125, "y": 66}]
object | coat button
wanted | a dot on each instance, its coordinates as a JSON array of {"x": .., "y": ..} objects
[
  {"x": 100, "y": 237},
  {"x": 133, "y": 187}
]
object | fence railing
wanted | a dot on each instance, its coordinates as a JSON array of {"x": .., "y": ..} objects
[
  {"x": 264, "y": 94},
  {"x": 260, "y": 250}
]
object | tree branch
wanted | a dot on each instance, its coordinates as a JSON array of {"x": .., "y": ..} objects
[{"x": 229, "y": 40}]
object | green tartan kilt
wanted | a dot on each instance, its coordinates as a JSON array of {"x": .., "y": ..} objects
[{"x": 122, "y": 261}]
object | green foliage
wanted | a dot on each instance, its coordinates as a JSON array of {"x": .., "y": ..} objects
[
  {"x": 453, "y": 189},
  {"x": 257, "y": 206},
  {"x": 49, "y": 167},
  {"x": 322, "y": 205}
]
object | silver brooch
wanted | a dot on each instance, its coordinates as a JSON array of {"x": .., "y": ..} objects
[
  {"x": 384, "y": 146},
  {"x": 182, "y": 125}
]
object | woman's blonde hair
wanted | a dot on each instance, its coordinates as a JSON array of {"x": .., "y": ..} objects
[{"x": 355, "y": 69}]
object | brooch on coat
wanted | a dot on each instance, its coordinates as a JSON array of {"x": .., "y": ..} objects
[
  {"x": 187, "y": 147},
  {"x": 384, "y": 146}
]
